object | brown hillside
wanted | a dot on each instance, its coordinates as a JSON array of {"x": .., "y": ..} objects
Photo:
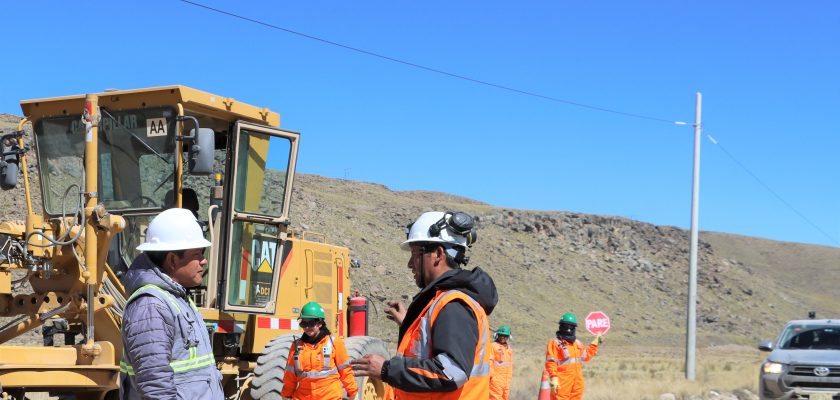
[{"x": 546, "y": 263}]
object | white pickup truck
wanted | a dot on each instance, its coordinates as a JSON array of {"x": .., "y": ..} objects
[{"x": 804, "y": 362}]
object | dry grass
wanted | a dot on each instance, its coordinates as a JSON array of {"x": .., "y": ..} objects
[{"x": 646, "y": 373}]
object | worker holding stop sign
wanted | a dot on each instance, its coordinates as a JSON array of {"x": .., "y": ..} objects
[{"x": 565, "y": 355}]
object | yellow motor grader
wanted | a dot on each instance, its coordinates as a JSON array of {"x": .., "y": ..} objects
[{"x": 108, "y": 162}]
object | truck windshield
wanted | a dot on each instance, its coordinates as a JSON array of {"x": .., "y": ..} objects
[
  {"x": 820, "y": 337},
  {"x": 136, "y": 159}
]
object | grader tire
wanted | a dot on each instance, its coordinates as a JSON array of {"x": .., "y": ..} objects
[
  {"x": 358, "y": 346},
  {"x": 271, "y": 365}
]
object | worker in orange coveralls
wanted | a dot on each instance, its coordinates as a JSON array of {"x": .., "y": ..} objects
[
  {"x": 501, "y": 369},
  {"x": 318, "y": 366},
  {"x": 564, "y": 360}
]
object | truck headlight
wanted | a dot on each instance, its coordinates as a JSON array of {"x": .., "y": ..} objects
[{"x": 773, "y": 368}]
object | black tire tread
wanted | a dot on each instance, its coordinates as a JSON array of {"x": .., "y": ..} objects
[
  {"x": 358, "y": 346},
  {"x": 271, "y": 365}
]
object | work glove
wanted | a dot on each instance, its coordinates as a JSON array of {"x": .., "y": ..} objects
[
  {"x": 598, "y": 340},
  {"x": 555, "y": 384}
]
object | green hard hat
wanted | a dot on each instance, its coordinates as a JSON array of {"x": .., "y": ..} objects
[
  {"x": 312, "y": 310},
  {"x": 503, "y": 330},
  {"x": 568, "y": 318}
]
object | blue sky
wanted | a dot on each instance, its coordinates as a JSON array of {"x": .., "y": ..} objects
[{"x": 769, "y": 72}]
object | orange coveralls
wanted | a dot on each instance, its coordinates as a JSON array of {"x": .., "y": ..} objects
[
  {"x": 319, "y": 371},
  {"x": 565, "y": 361},
  {"x": 501, "y": 371}
]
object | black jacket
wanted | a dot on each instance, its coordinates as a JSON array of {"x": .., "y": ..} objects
[{"x": 454, "y": 335}]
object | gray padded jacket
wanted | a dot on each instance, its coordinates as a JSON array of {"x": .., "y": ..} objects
[{"x": 167, "y": 353}]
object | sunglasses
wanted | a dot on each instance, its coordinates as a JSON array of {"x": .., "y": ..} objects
[{"x": 307, "y": 323}]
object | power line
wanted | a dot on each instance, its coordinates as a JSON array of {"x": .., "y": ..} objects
[
  {"x": 431, "y": 69},
  {"x": 769, "y": 189},
  {"x": 514, "y": 90}
]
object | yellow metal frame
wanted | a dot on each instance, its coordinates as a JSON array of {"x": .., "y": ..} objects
[
  {"x": 55, "y": 368},
  {"x": 194, "y": 100},
  {"x": 93, "y": 366}
]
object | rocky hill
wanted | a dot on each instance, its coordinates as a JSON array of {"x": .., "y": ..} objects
[{"x": 546, "y": 263}]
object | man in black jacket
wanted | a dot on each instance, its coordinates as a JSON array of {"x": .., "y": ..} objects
[{"x": 443, "y": 348}]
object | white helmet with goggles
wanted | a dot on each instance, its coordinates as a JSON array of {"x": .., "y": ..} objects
[{"x": 453, "y": 230}]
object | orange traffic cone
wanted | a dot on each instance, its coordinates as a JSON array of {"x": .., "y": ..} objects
[{"x": 545, "y": 387}]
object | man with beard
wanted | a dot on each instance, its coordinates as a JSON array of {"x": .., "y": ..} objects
[
  {"x": 444, "y": 341},
  {"x": 564, "y": 360}
]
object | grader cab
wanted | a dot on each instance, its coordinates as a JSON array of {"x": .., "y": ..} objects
[{"x": 108, "y": 162}]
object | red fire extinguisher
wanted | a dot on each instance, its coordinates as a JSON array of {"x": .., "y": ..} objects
[{"x": 358, "y": 316}]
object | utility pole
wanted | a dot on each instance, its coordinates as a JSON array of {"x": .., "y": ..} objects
[{"x": 691, "y": 322}]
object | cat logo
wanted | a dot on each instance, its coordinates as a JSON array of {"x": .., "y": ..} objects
[
  {"x": 264, "y": 267},
  {"x": 264, "y": 249}
]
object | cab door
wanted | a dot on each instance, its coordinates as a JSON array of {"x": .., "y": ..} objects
[{"x": 261, "y": 165}]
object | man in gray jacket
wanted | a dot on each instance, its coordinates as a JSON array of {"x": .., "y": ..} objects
[{"x": 167, "y": 353}]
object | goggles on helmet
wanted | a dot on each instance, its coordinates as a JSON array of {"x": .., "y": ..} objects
[{"x": 456, "y": 222}]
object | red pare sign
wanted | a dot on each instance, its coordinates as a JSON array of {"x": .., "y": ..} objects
[{"x": 597, "y": 323}]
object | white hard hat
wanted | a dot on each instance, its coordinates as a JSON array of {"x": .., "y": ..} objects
[
  {"x": 174, "y": 229},
  {"x": 419, "y": 231}
]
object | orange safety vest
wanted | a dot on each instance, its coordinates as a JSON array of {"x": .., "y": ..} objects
[
  {"x": 501, "y": 371},
  {"x": 417, "y": 343},
  {"x": 567, "y": 358},
  {"x": 502, "y": 360},
  {"x": 318, "y": 371}
]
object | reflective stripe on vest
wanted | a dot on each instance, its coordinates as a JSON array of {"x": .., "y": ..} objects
[
  {"x": 564, "y": 362},
  {"x": 472, "y": 384},
  {"x": 194, "y": 361},
  {"x": 327, "y": 371},
  {"x": 505, "y": 353},
  {"x": 425, "y": 342},
  {"x": 568, "y": 359}
]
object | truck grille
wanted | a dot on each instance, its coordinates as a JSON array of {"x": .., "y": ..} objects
[
  {"x": 816, "y": 385},
  {"x": 808, "y": 370}
]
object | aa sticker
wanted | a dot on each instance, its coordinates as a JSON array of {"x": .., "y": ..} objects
[{"x": 155, "y": 127}]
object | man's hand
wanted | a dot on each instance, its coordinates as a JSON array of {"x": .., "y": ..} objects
[
  {"x": 395, "y": 311},
  {"x": 598, "y": 340},
  {"x": 555, "y": 384},
  {"x": 369, "y": 365}
]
